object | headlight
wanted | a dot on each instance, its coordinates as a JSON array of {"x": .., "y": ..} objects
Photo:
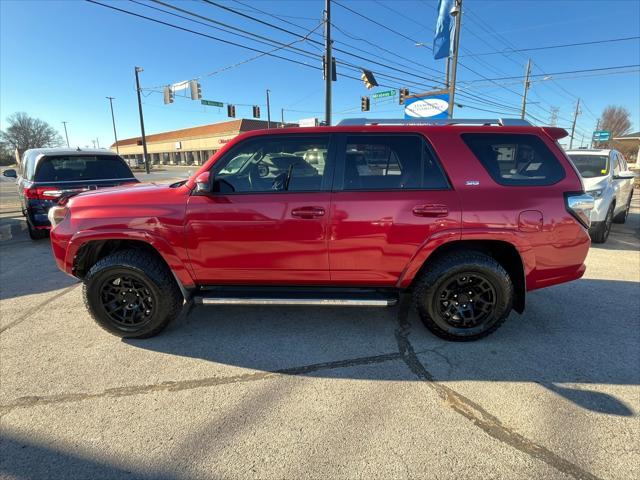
[
  {"x": 595, "y": 193},
  {"x": 56, "y": 214}
]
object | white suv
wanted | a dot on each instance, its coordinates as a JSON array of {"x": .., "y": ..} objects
[{"x": 607, "y": 178}]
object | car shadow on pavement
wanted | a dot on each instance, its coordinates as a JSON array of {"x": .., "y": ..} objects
[
  {"x": 28, "y": 268},
  {"x": 591, "y": 340}
]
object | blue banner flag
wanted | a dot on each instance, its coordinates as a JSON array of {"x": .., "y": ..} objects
[{"x": 444, "y": 30}]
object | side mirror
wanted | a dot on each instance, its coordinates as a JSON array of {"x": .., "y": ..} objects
[
  {"x": 203, "y": 182},
  {"x": 10, "y": 172},
  {"x": 624, "y": 175}
]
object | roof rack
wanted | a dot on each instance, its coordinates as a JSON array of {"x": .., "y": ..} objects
[{"x": 503, "y": 122}]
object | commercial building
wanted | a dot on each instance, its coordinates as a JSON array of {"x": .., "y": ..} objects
[{"x": 188, "y": 146}]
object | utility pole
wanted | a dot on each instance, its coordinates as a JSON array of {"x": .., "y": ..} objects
[
  {"x": 144, "y": 139},
  {"x": 94, "y": 143},
  {"x": 98, "y": 142},
  {"x": 573, "y": 127},
  {"x": 526, "y": 89},
  {"x": 268, "y": 110},
  {"x": 328, "y": 62},
  {"x": 66, "y": 134},
  {"x": 553, "y": 119},
  {"x": 456, "y": 12},
  {"x": 282, "y": 116},
  {"x": 113, "y": 120}
]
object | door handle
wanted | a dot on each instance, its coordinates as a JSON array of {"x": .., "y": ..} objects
[
  {"x": 430, "y": 211},
  {"x": 307, "y": 212}
]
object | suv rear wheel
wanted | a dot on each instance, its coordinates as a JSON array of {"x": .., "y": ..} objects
[
  {"x": 36, "y": 233},
  {"x": 132, "y": 294},
  {"x": 464, "y": 296}
]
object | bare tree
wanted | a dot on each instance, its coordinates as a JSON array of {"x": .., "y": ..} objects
[
  {"x": 24, "y": 132},
  {"x": 616, "y": 120}
]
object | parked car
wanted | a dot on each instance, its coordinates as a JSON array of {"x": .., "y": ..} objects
[
  {"x": 467, "y": 217},
  {"x": 607, "y": 178},
  {"x": 47, "y": 174}
]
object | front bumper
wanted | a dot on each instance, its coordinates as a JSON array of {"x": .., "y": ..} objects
[{"x": 599, "y": 212}]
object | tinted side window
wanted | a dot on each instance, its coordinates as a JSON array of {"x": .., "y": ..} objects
[
  {"x": 392, "y": 162},
  {"x": 514, "y": 159},
  {"x": 275, "y": 164}
]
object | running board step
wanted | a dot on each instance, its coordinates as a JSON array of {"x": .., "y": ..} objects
[{"x": 303, "y": 298}]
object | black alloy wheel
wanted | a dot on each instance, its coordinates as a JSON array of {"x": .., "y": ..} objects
[
  {"x": 463, "y": 296},
  {"x": 466, "y": 300},
  {"x": 132, "y": 293},
  {"x": 127, "y": 300}
]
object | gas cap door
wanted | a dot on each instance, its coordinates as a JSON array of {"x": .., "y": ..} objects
[{"x": 530, "y": 221}]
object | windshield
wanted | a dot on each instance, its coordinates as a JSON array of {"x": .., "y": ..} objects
[
  {"x": 591, "y": 166},
  {"x": 86, "y": 167}
]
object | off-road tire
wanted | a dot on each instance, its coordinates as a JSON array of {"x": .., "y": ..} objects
[
  {"x": 147, "y": 269},
  {"x": 448, "y": 267},
  {"x": 600, "y": 234}
]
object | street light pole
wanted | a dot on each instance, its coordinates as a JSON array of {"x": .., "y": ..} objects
[
  {"x": 268, "y": 110},
  {"x": 66, "y": 134},
  {"x": 144, "y": 139},
  {"x": 457, "y": 13},
  {"x": 328, "y": 63},
  {"x": 113, "y": 120}
]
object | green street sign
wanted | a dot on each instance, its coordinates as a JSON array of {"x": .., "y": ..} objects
[
  {"x": 211, "y": 103},
  {"x": 386, "y": 93},
  {"x": 601, "y": 135}
]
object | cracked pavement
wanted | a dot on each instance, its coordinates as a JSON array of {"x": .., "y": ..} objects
[{"x": 255, "y": 392}]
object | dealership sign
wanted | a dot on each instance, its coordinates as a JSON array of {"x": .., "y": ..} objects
[{"x": 432, "y": 106}]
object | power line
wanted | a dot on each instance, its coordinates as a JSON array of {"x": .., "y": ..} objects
[
  {"x": 229, "y": 9},
  {"x": 549, "y": 47},
  {"x": 599, "y": 69}
]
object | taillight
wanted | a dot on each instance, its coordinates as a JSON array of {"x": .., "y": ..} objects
[
  {"x": 580, "y": 205},
  {"x": 42, "y": 193},
  {"x": 56, "y": 214}
]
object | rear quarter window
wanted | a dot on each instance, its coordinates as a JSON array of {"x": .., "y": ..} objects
[{"x": 515, "y": 159}]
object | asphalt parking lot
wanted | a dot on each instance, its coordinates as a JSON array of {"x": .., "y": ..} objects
[{"x": 255, "y": 392}]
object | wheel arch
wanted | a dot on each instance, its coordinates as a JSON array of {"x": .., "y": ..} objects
[
  {"x": 90, "y": 249},
  {"x": 505, "y": 253}
]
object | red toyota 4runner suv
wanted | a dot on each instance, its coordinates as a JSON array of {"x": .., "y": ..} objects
[{"x": 467, "y": 215}]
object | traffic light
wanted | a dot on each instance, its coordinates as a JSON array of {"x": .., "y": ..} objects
[
  {"x": 368, "y": 79},
  {"x": 404, "y": 93},
  {"x": 365, "y": 104},
  {"x": 196, "y": 90},
  {"x": 231, "y": 110},
  {"x": 168, "y": 95},
  {"x": 256, "y": 111}
]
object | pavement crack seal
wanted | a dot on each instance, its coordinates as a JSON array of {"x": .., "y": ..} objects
[
  {"x": 34, "y": 309},
  {"x": 474, "y": 412},
  {"x": 174, "y": 386}
]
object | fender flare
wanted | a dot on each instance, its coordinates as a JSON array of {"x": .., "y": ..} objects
[
  {"x": 431, "y": 244},
  {"x": 159, "y": 244}
]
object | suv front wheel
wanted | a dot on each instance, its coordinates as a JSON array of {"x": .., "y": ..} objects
[
  {"x": 132, "y": 294},
  {"x": 464, "y": 296}
]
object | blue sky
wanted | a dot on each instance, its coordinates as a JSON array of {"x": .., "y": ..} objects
[{"x": 60, "y": 59}]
